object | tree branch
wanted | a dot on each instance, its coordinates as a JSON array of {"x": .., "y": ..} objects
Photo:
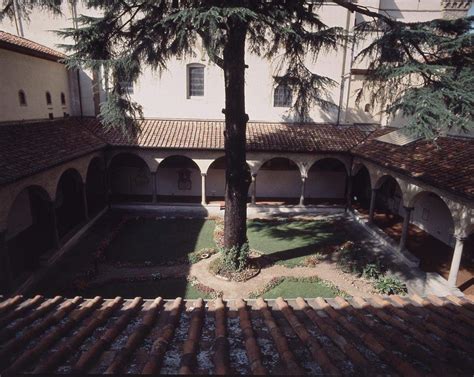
[{"x": 366, "y": 11}]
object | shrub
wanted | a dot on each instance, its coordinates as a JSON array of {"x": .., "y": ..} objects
[
  {"x": 390, "y": 285},
  {"x": 372, "y": 271},
  {"x": 313, "y": 260},
  {"x": 235, "y": 258}
]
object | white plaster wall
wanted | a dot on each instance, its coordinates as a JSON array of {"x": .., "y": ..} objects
[
  {"x": 131, "y": 181},
  {"x": 34, "y": 76},
  {"x": 20, "y": 217},
  {"x": 324, "y": 184},
  {"x": 167, "y": 182},
  {"x": 437, "y": 219},
  {"x": 165, "y": 96},
  {"x": 215, "y": 182},
  {"x": 278, "y": 184}
]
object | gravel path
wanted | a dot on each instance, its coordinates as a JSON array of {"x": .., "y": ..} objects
[{"x": 324, "y": 270}]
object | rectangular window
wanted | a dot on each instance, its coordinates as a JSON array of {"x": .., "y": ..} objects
[{"x": 196, "y": 81}]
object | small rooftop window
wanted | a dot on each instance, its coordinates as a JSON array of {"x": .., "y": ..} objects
[
  {"x": 48, "y": 98},
  {"x": 22, "y": 98}
]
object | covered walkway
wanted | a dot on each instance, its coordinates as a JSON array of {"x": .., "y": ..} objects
[{"x": 434, "y": 255}]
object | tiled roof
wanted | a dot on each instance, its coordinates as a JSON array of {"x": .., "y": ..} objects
[
  {"x": 12, "y": 42},
  {"x": 29, "y": 148},
  {"x": 448, "y": 163},
  {"x": 406, "y": 336},
  {"x": 155, "y": 133}
]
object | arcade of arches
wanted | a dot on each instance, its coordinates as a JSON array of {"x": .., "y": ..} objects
[{"x": 40, "y": 221}]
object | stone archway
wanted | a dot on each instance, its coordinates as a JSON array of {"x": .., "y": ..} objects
[
  {"x": 130, "y": 179},
  {"x": 69, "y": 202},
  {"x": 179, "y": 180},
  {"x": 361, "y": 188},
  {"x": 96, "y": 186},
  {"x": 278, "y": 181},
  {"x": 326, "y": 182},
  {"x": 30, "y": 232},
  {"x": 216, "y": 180}
]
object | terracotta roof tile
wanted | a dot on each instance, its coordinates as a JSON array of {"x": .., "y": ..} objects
[
  {"x": 383, "y": 335},
  {"x": 26, "y": 46},
  {"x": 448, "y": 163},
  {"x": 29, "y": 148},
  {"x": 176, "y": 134}
]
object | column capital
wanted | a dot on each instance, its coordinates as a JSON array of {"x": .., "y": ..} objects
[
  {"x": 460, "y": 237},
  {"x": 254, "y": 175},
  {"x": 203, "y": 174},
  {"x": 408, "y": 209}
]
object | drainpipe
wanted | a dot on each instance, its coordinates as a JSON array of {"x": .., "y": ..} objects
[
  {"x": 343, "y": 78},
  {"x": 19, "y": 25},
  {"x": 79, "y": 92}
]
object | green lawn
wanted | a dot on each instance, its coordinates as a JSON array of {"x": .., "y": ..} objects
[
  {"x": 292, "y": 288},
  {"x": 166, "y": 288},
  {"x": 290, "y": 242},
  {"x": 161, "y": 240}
]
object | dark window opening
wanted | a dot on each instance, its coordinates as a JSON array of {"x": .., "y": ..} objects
[
  {"x": 22, "y": 98},
  {"x": 48, "y": 98},
  {"x": 63, "y": 99}
]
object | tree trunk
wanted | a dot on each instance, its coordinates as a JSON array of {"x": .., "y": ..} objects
[{"x": 237, "y": 172}]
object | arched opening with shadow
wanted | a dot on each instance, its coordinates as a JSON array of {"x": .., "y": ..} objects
[
  {"x": 69, "y": 202},
  {"x": 361, "y": 189},
  {"x": 30, "y": 232},
  {"x": 216, "y": 181},
  {"x": 278, "y": 181},
  {"x": 95, "y": 186},
  {"x": 130, "y": 179},
  {"x": 431, "y": 236},
  {"x": 326, "y": 182},
  {"x": 388, "y": 208},
  {"x": 178, "y": 180}
]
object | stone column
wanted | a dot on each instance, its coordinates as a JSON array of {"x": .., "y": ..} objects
[
  {"x": 456, "y": 262},
  {"x": 54, "y": 226},
  {"x": 254, "y": 189},
  {"x": 372, "y": 206},
  {"x": 406, "y": 224},
  {"x": 155, "y": 188},
  {"x": 5, "y": 266},
  {"x": 107, "y": 187},
  {"x": 84, "y": 202},
  {"x": 303, "y": 186},
  {"x": 203, "y": 189}
]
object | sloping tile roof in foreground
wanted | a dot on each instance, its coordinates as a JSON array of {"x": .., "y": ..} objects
[
  {"x": 283, "y": 137},
  {"x": 447, "y": 163},
  {"x": 406, "y": 336},
  {"x": 25, "y": 46},
  {"x": 29, "y": 148}
]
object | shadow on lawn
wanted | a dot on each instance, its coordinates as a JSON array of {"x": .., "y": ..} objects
[
  {"x": 140, "y": 240},
  {"x": 303, "y": 238}
]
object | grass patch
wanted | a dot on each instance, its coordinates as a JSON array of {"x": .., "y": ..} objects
[
  {"x": 290, "y": 287},
  {"x": 168, "y": 288},
  {"x": 290, "y": 242},
  {"x": 161, "y": 240}
]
